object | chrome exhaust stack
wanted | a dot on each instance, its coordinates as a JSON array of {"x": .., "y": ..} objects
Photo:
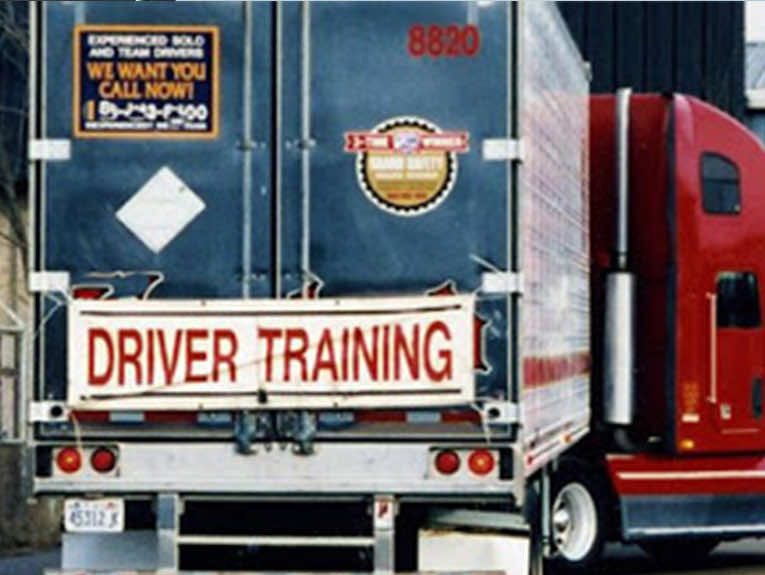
[{"x": 619, "y": 325}]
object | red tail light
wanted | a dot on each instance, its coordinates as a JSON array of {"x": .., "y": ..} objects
[
  {"x": 447, "y": 462},
  {"x": 69, "y": 460},
  {"x": 103, "y": 460},
  {"x": 481, "y": 462}
]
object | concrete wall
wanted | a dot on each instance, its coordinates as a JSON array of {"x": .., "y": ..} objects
[{"x": 23, "y": 523}]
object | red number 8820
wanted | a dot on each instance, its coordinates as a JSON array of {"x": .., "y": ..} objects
[{"x": 451, "y": 41}]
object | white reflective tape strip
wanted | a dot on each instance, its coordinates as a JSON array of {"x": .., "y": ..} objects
[
  {"x": 501, "y": 282},
  {"x": 214, "y": 418},
  {"x": 126, "y": 416},
  {"x": 50, "y": 150},
  {"x": 399, "y": 416},
  {"x": 423, "y": 417},
  {"x": 502, "y": 150},
  {"x": 49, "y": 282},
  {"x": 337, "y": 417}
]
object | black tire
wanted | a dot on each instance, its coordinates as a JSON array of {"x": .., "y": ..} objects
[
  {"x": 579, "y": 518},
  {"x": 679, "y": 551}
]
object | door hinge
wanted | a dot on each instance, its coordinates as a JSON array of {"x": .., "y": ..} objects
[
  {"x": 48, "y": 412},
  {"x": 48, "y": 281},
  {"x": 502, "y": 150},
  {"x": 502, "y": 282},
  {"x": 500, "y": 412},
  {"x": 301, "y": 144},
  {"x": 50, "y": 150}
]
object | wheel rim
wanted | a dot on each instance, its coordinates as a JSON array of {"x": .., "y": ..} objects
[{"x": 574, "y": 522}]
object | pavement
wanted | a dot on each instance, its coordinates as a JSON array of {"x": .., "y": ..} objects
[
  {"x": 746, "y": 557},
  {"x": 29, "y": 563},
  {"x": 741, "y": 558}
]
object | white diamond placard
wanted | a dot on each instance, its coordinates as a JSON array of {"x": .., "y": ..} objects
[{"x": 161, "y": 209}]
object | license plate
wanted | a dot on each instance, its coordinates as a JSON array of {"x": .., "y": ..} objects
[{"x": 94, "y": 515}]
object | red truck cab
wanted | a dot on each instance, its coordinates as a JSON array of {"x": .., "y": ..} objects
[
  {"x": 696, "y": 216},
  {"x": 689, "y": 469}
]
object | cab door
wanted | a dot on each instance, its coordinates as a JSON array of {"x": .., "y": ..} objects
[
  {"x": 720, "y": 262},
  {"x": 739, "y": 353},
  {"x": 737, "y": 345}
]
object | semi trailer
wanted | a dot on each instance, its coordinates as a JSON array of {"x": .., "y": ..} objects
[
  {"x": 277, "y": 261},
  {"x": 343, "y": 287}
]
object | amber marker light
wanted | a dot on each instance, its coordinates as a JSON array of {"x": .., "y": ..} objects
[{"x": 481, "y": 462}]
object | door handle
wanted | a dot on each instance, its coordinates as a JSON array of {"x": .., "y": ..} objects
[{"x": 712, "y": 397}]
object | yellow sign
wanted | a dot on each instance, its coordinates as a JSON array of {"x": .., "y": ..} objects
[{"x": 146, "y": 81}]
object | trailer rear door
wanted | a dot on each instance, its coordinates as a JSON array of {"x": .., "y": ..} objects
[
  {"x": 249, "y": 151},
  {"x": 290, "y": 150},
  {"x": 385, "y": 188}
]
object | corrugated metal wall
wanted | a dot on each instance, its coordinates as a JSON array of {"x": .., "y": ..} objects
[
  {"x": 755, "y": 82},
  {"x": 691, "y": 47}
]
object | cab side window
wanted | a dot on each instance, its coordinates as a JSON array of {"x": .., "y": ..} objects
[
  {"x": 738, "y": 300},
  {"x": 721, "y": 193}
]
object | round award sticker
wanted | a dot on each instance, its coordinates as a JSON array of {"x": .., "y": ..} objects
[{"x": 406, "y": 166}]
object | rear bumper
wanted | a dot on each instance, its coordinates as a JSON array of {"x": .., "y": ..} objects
[
  {"x": 379, "y": 536},
  {"x": 333, "y": 468}
]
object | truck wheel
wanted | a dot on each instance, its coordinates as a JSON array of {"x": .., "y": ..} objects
[{"x": 577, "y": 521}]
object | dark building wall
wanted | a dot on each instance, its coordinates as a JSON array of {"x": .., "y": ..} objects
[
  {"x": 691, "y": 47},
  {"x": 13, "y": 95}
]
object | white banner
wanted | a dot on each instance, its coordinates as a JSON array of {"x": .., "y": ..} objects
[{"x": 266, "y": 354}]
